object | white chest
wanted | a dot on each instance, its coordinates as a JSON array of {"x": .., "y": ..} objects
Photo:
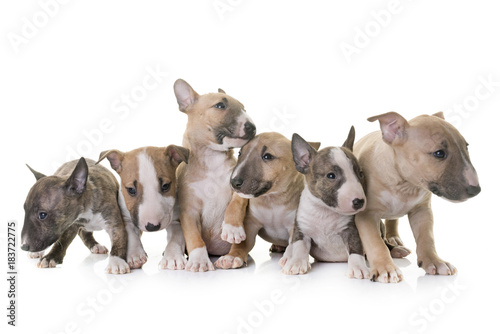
[
  {"x": 91, "y": 221},
  {"x": 398, "y": 205},
  {"x": 277, "y": 221}
]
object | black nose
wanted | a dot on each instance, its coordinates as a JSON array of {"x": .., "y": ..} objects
[
  {"x": 357, "y": 203},
  {"x": 236, "y": 183},
  {"x": 25, "y": 247},
  {"x": 151, "y": 228},
  {"x": 473, "y": 191},
  {"x": 249, "y": 129}
]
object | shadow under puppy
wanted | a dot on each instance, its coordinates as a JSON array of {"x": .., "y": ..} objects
[
  {"x": 148, "y": 199},
  {"x": 79, "y": 198},
  {"x": 266, "y": 176},
  {"x": 324, "y": 224}
]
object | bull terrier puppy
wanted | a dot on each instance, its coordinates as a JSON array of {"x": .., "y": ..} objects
[
  {"x": 148, "y": 197},
  {"x": 333, "y": 194},
  {"x": 78, "y": 199},
  {"x": 266, "y": 176},
  {"x": 217, "y": 123},
  {"x": 404, "y": 165}
]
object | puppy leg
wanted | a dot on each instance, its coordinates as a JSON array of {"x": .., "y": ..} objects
[
  {"x": 297, "y": 260},
  {"x": 136, "y": 256},
  {"x": 421, "y": 222},
  {"x": 382, "y": 268},
  {"x": 89, "y": 241},
  {"x": 58, "y": 251},
  {"x": 232, "y": 227},
  {"x": 173, "y": 256},
  {"x": 356, "y": 264},
  {"x": 119, "y": 241},
  {"x": 198, "y": 260},
  {"x": 238, "y": 254},
  {"x": 393, "y": 241}
]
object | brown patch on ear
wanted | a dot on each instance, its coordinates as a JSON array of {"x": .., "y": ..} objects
[
  {"x": 393, "y": 127},
  {"x": 115, "y": 158},
  {"x": 221, "y": 91},
  {"x": 314, "y": 144},
  {"x": 177, "y": 154},
  {"x": 349, "y": 142},
  {"x": 439, "y": 114}
]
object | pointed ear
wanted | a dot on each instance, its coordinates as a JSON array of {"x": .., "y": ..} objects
[
  {"x": 221, "y": 91},
  {"x": 314, "y": 144},
  {"x": 185, "y": 94},
  {"x": 115, "y": 158},
  {"x": 302, "y": 153},
  {"x": 78, "y": 179},
  {"x": 439, "y": 114},
  {"x": 393, "y": 127},
  {"x": 349, "y": 142},
  {"x": 38, "y": 175},
  {"x": 177, "y": 154}
]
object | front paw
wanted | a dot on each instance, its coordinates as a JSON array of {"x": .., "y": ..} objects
[
  {"x": 117, "y": 265},
  {"x": 296, "y": 266},
  {"x": 173, "y": 261},
  {"x": 385, "y": 272},
  {"x": 199, "y": 261},
  {"x": 436, "y": 266},
  {"x": 229, "y": 262},
  {"x": 49, "y": 261},
  {"x": 99, "y": 249},
  {"x": 356, "y": 267},
  {"x": 136, "y": 258},
  {"x": 35, "y": 255},
  {"x": 233, "y": 234}
]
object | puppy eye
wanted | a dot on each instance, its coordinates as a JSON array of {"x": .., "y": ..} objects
[
  {"x": 220, "y": 105},
  {"x": 132, "y": 191},
  {"x": 439, "y": 154},
  {"x": 267, "y": 157},
  {"x": 331, "y": 176},
  {"x": 165, "y": 187},
  {"x": 42, "y": 215}
]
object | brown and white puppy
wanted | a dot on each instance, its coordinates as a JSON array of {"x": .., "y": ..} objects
[
  {"x": 78, "y": 199},
  {"x": 324, "y": 224},
  {"x": 217, "y": 123},
  {"x": 148, "y": 196},
  {"x": 404, "y": 165},
  {"x": 266, "y": 176}
]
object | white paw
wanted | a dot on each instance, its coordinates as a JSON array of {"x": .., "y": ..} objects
[
  {"x": 356, "y": 267},
  {"x": 229, "y": 262},
  {"x": 136, "y": 258},
  {"x": 296, "y": 266},
  {"x": 99, "y": 249},
  {"x": 173, "y": 261},
  {"x": 44, "y": 263},
  {"x": 233, "y": 234},
  {"x": 284, "y": 259},
  {"x": 117, "y": 265},
  {"x": 35, "y": 255},
  {"x": 199, "y": 261}
]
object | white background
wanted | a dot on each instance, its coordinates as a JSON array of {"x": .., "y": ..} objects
[{"x": 63, "y": 79}]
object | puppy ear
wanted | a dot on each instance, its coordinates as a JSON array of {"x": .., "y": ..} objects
[
  {"x": 349, "y": 142},
  {"x": 38, "y": 175},
  {"x": 177, "y": 154},
  {"x": 185, "y": 94},
  {"x": 393, "y": 127},
  {"x": 221, "y": 91},
  {"x": 314, "y": 144},
  {"x": 78, "y": 179},
  {"x": 115, "y": 158},
  {"x": 302, "y": 153},
  {"x": 439, "y": 114}
]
